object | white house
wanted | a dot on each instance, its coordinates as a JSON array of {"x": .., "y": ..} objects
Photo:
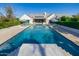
[
  {"x": 27, "y": 19},
  {"x": 50, "y": 17},
  {"x": 38, "y": 18}
]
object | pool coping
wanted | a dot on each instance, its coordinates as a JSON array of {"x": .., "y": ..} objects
[
  {"x": 65, "y": 36},
  {"x": 13, "y": 36},
  {"x": 71, "y": 39}
]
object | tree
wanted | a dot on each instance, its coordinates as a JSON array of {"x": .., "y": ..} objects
[
  {"x": 2, "y": 17},
  {"x": 75, "y": 18},
  {"x": 68, "y": 19},
  {"x": 9, "y": 12},
  {"x": 63, "y": 18}
]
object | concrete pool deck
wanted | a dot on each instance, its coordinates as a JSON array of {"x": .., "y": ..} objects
[
  {"x": 7, "y": 33},
  {"x": 39, "y": 50},
  {"x": 70, "y": 33}
]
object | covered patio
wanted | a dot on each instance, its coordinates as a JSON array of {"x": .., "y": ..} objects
[{"x": 39, "y": 19}]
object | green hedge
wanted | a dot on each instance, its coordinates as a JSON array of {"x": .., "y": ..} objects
[
  {"x": 5, "y": 24},
  {"x": 69, "y": 24}
]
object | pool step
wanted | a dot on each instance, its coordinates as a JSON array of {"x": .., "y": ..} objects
[{"x": 42, "y": 50}]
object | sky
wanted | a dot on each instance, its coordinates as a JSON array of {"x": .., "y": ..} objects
[{"x": 31, "y": 8}]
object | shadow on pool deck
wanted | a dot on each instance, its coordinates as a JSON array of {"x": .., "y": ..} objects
[
  {"x": 41, "y": 49},
  {"x": 59, "y": 28}
]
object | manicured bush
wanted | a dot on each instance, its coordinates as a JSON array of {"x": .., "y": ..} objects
[
  {"x": 69, "y": 24},
  {"x": 72, "y": 21}
]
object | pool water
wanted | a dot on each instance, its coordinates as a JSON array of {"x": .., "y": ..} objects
[{"x": 38, "y": 34}]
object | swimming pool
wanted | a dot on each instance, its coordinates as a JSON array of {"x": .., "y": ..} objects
[{"x": 38, "y": 34}]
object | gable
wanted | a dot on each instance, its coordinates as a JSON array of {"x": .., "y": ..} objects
[{"x": 25, "y": 17}]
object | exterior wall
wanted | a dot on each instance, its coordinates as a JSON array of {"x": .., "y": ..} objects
[
  {"x": 31, "y": 21},
  {"x": 25, "y": 18},
  {"x": 49, "y": 18}
]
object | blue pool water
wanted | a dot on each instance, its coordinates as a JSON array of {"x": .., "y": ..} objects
[{"x": 38, "y": 34}]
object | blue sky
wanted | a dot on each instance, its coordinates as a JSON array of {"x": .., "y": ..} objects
[{"x": 30, "y": 8}]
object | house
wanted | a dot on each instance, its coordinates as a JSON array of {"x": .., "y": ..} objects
[
  {"x": 37, "y": 18},
  {"x": 26, "y": 19},
  {"x": 50, "y": 17}
]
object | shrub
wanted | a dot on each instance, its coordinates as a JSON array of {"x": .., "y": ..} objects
[
  {"x": 5, "y": 24},
  {"x": 69, "y": 24}
]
